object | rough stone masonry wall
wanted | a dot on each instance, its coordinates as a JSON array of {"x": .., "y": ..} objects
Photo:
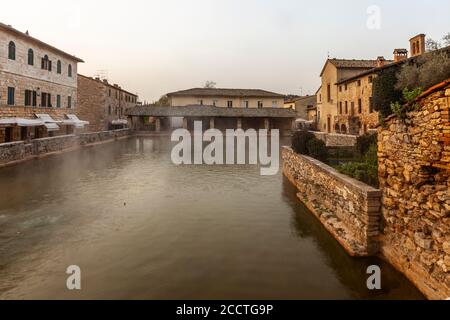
[
  {"x": 16, "y": 152},
  {"x": 336, "y": 140},
  {"x": 349, "y": 209},
  {"x": 414, "y": 171}
]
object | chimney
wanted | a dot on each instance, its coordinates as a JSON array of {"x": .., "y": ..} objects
[
  {"x": 417, "y": 45},
  {"x": 380, "y": 61},
  {"x": 97, "y": 78},
  {"x": 400, "y": 55},
  {"x": 105, "y": 81}
]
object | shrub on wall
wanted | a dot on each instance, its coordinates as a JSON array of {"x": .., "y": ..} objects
[
  {"x": 363, "y": 143},
  {"x": 306, "y": 143},
  {"x": 366, "y": 170},
  {"x": 300, "y": 140},
  {"x": 317, "y": 149}
]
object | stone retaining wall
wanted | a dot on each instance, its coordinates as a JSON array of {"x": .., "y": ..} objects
[
  {"x": 414, "y": 172},
  {"x": 349, "y": 209},
  {"x": 336, "y": 140},
  {"x": 15, "y": 152}
]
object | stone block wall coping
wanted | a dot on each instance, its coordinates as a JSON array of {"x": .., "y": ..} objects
[{"x": 348, "y": 181}]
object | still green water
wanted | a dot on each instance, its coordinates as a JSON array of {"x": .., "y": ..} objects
[{"x": 141, "y": 228}]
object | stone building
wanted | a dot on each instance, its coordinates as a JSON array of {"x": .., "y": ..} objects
[
  {"x": 103, "y": 104},
  {"x": 347, "y": 90},
  {"x": 335, "y": 71},
  {"x": 35, "y": 78},
  {"x": 227, "y": 98}
]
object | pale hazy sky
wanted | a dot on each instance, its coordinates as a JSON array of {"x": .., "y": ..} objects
[{"x": 157, "y": 46}]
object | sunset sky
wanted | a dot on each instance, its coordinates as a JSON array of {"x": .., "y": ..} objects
[{"x": 157, "y": 46}]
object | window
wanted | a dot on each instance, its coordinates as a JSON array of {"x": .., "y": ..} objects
[
  {"x": 370, "y": 79},
  {"x": 28, "y": 97},
  {"x": 352, "y": 108},
  {"x": 30, "y": 57},
  {"x": 109, "y": 110},
  {"x": 69, "y": 102},
  {"x": 12, "y": 51},
  {"x": 340, "y": 88},
  {"x": 34, "y": 102},
  {"x": 49, "y": 101},
  {"x": 370, "y": 105},
  {"x": 69, "y": 70},
  {"x": 230, "y": 104},
  {"x": 260, "y": 105},
  {"x": 11, "y": 92},
  {"x": 58, "y": 101},
  {"x": 359, "y": 83},
  {"x": 346, "y": 107},
  {"x": 359, "y": 106},
  {"x": 340, "y": 107},
  {"x": 346, "y": 87},
  {"x": 58, "y": 67},
  {"x": 329, "y": 93},
  {"x": 44, "y": 63},
  {"x": 43, "y": 99},
  {"x": 274, "y": 104},
  {"x": 49, "y": 65},
  {"x": 246, "y": 104},
  {"x": 200, "y": 102}
]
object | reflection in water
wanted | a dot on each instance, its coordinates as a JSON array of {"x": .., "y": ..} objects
[{"x": 142, "y": 228}]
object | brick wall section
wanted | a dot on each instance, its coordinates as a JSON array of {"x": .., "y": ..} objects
[
  {"x": 349, "y": 209},
  {"x": 336, "y": 140},
  {"x": 414, "y": 170},
  {"x": 16, "y": 152}
]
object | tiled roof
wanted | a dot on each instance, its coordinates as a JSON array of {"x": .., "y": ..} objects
[
  {"x": 210, "y": 111},
  {"x": 213, "y": 92},
  {"x": 350, "y": 64},
  {"x": 39, "y": 42}
]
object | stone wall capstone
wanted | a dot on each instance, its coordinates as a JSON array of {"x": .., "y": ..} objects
[{"x": 336, "y": 140}]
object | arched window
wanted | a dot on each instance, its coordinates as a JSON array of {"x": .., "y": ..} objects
[
  {"x": 58, "y": 67},
  {"x": 44, "y": 62},
  {"x": 12, "y": 51},
  {"x": 344, "y": 129},
  {"x": 30, "y": 57},
  {"x": 337, "y": 128},
  {"x": 69, "y": 70}
]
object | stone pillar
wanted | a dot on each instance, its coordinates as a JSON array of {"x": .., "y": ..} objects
[
  {"x": 212, "y": 123},
  {"x": 158, "y": 124},
  {"x": 239, "y": 123},
  {"x": 267, "y": 123}
]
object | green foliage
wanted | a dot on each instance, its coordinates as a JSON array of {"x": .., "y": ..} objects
[
  {"x": 317, "y": 149},
  {"x": 409, "y": 97},
  {"x": 424, "y": 72},
  {"x": 366, "y": 170},
  {"x": 363, "y": 143},
  {"x": 384, "y": 91},
  {"x": 306, "y": 143},
  {"x": 300, "y": 140},
  {"x": 398, "y": 109}
]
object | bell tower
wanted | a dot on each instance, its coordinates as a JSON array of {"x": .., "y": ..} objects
[{"x": 417, "y": 45}]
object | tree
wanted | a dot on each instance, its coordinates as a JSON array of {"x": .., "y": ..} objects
[
  {"x": 163, "y": 102},
  {"x": 432, "y": 45},
  {"x": 210, "y": 84},
  {"x": 426, "y": 71},
  {"x": 446, "y": 39}
]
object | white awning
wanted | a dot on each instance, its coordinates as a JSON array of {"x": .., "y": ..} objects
[
  {"x": 72, "y": 120},
  {"x": 21, "y": 122},
  {"x": 119, "y": 122},
  {"x": 49, "y": 122}
]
